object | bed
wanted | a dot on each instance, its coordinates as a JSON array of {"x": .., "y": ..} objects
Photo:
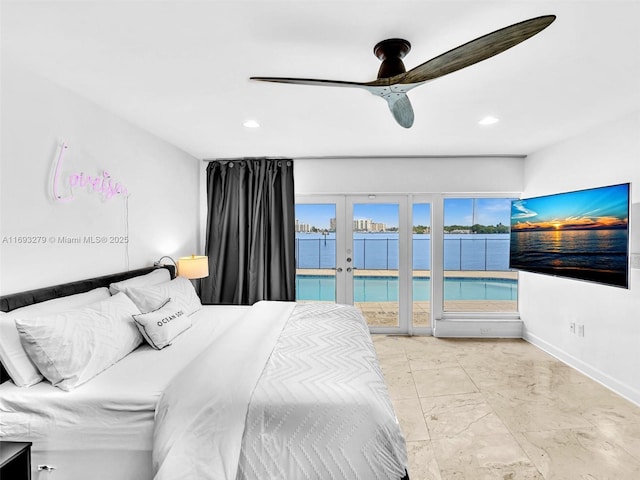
[{"x": 275, "y": 390}]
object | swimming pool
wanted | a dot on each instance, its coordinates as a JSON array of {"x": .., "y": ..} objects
[{"x": 385, "y": 289}]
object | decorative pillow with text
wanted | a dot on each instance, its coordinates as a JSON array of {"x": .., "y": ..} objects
[{"x": 160, "y": 327}]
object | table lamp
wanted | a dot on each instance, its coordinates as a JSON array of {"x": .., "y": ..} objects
[{"x": 195, "y": 266}]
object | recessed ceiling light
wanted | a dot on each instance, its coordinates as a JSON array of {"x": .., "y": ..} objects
[
  {"x": 489, "y": 120},
  {"x": 251, "y": 124}
]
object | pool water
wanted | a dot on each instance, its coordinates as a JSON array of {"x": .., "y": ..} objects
[{"x": 385, "y": 289}]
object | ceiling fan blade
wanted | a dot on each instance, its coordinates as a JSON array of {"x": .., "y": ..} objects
[
  {"x": 476, "y": 50},
  {"x": 401, "y": 109},
  {"x": 310, "y": 81}
]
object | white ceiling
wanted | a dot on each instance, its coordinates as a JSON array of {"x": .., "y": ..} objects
[{"x": 181, "y": 69}]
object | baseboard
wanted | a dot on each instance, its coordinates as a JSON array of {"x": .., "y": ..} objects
[
  {"x": 476, "y": 328},
  {"x": 602, "y": 378}
]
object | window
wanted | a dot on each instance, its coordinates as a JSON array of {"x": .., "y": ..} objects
[
  {"x": 404, "y": 262},
  {"x": 476, "y": 256}
]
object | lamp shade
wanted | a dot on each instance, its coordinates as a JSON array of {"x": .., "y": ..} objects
[{"x": 195, "y": 266}]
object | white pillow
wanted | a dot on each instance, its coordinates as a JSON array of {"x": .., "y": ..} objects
[
  {"x": 15, "y": 360},
  {"x": 160, "y": 275},
  {"x": 179, "y": 290},
  {"x": 71, "y": 347},
  {"x": 161, "y": 326}
]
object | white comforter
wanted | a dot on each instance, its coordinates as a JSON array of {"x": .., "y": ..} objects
[
  {"x": 310, "y": 389},
  {"x": 200, "y": 416}
]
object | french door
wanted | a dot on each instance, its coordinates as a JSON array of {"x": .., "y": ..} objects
[{"x": 357, "y": 250}]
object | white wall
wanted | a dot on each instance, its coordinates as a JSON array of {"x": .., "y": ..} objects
[
  {"x": 162, "y": 214},
  {"x": 610, "y": 348},
  {"x": 409, "y": 175}
]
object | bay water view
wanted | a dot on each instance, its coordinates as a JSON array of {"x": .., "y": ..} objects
[{"x": 379, "y": 251}]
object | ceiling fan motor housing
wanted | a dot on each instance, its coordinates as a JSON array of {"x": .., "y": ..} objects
[{"x": 391, "y": 52}]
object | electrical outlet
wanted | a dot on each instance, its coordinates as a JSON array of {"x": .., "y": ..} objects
[
  {"x": 572, "y": 327},
  {"x": 581, "y": 330}
]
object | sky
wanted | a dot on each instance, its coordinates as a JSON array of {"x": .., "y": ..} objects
[
  {"x": 605, "y": 207},
  {"x": 317, "y": 215},
  {"x": 386, "y": 213},
  {"x": 472, "y": 211},
  {"x": 457, "y": 211}
]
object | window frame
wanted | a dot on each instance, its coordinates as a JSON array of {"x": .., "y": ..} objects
[
  {"x": 436, "y": 200},
  {"x": 438, "y": 310}
]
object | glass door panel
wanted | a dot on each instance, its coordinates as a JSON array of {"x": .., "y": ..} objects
[
  {"x": 354, "y": 250},
  {"x": 373, "y": 262},
  {"x": 316, "y": 252}
]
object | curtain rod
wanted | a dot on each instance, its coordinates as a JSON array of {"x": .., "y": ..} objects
[
  {"x": 238, "y": 159},
  {"x": 367, "y": 157}
]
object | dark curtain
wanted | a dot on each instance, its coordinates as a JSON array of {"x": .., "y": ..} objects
[{"x": 250, "y": 237}]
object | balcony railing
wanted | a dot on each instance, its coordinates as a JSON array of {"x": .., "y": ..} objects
[{"x": 473, "y": 253}]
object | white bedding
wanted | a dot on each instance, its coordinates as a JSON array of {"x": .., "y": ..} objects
[
  {"x": 201, "y": 414},
  {"x": 308, "y": 383},
  {"x": 314, "y": 398},
  {"x": 113, "y": 411},
  {"x": 321, "y": 409}
]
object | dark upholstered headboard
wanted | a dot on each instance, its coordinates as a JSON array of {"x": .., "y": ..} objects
[{"x": 22, "y": 299}]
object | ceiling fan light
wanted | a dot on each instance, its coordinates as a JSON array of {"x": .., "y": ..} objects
[{"x": 489, "y": 120}]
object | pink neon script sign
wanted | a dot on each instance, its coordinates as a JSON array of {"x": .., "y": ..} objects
[{"x": 102, "y": 184}]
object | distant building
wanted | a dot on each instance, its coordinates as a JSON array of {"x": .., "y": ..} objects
[
  {"x": 360, "y": 225},
  {"x": 302, "y": 227},
  {"x": 368, "y": 225}
]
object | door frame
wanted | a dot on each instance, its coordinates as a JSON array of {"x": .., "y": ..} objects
[
  {"x": 344, "y": 241},
  {"x": 339, "y": 202},
  {"x": 436, "y": 225},
  {"x": 404, "y": 285}
]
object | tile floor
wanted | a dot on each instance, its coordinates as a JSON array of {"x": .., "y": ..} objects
[{"x": 504, "y": 409}]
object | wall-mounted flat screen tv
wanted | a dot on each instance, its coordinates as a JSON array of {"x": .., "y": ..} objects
[{"x": 582, "y": 235}]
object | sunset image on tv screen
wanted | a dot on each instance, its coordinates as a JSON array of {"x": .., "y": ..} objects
[{"x": 582, "y": 234}]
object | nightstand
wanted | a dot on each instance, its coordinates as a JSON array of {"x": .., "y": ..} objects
[{"x": 15, "y": 460}]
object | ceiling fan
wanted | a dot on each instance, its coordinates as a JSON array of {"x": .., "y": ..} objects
[{"x": 394, "y": 81}]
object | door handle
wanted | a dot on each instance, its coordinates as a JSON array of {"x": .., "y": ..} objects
[{"x": 339, "y": 269}]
